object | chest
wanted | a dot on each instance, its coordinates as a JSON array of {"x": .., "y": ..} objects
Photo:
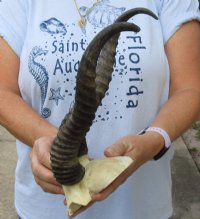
[{"x": 55, "y": 43}]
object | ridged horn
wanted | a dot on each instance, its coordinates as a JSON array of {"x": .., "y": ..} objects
[
  {"x": 104, "y": 69},
  {"x": 70, "y": 141}
]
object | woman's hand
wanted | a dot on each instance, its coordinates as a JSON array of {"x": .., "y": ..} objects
[
  {"x": 140, "y": 148},
  {"x": 41, "y": 166}
]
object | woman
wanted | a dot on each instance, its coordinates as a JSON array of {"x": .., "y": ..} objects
[{"x": 156, "y": 83}]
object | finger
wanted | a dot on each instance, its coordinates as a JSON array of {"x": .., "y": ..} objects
[
  {"x": 50, "y": 188},
  {"x": 120, "y": 148},
  {"x": 105, "y": 193},
  {"x": 114, "y": 150},
  {"x": 42, "y": 148},
  {"x": 44, "y": 159},
  {"x": 43, "y": 173}
]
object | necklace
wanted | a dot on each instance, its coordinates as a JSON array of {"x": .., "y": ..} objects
[{"x": 82, "y": 21}]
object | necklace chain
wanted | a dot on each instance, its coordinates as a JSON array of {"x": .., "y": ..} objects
[{"x": 82, "y": 21}]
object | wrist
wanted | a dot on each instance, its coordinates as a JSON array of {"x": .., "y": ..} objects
[
  {"x": 155, "y": 141},
  {"x": 48, "y": 132},
  {"x": 160, "y": 138}
]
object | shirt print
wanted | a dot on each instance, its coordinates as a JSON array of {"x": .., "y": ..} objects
[{"x": 62, "y": 46}]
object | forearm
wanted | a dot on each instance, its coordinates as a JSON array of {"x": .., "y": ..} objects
[
  {"x": 180, "y": 111},
  {"x": 21, "y": 120}
]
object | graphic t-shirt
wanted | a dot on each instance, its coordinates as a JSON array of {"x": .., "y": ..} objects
[{"x": 49, "y": 42}]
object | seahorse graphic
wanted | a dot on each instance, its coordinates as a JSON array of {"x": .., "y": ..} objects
[
  {"x": 40, "y": 74},
  {"x": 101, "y": 14}
]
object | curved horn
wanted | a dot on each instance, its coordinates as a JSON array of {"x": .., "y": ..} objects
[
  {"x": 132, "y": 12},
  {"x": 104, "y": 69},
  {"x": 71, "y": 135}
]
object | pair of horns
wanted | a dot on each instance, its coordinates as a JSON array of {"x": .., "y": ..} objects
[{"x": 93, "y": 78}]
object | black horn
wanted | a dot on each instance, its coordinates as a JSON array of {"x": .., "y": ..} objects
[
  {"x": 93, "y": 78},
  {"x": 104, "y": 69},
  {"x": 70, "y": 142},
  {"x": 135, "y": 11}
]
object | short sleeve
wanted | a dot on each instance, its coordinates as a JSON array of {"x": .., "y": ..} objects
[
  {"x": 174, "y": 13},
  {"x": 13, "y": 23}
]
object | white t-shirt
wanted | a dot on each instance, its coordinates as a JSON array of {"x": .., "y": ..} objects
[{"x": 46, "y": 37}]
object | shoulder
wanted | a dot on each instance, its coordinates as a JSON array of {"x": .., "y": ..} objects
[
  {"x": 174, "y": 13},
  {"x": 178, "y": 5},
  {"x": 13, "y": 22},
  {"x": 15, "y": 4}
]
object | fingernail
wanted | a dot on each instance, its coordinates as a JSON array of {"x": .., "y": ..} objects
[{"x": 110, "y": 152}]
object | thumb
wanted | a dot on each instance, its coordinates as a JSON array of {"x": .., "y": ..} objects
[
  {"x": 46, "y": 161},
  {"x": 119, "y": 148},
  {"x": 42, "y": 151}
]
